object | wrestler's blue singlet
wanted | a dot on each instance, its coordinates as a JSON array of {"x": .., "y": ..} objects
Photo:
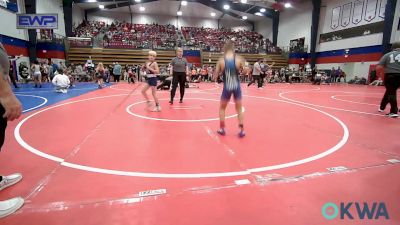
[{"x": 231, "y": 81}]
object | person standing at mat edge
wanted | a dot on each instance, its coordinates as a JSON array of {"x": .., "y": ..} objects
[
  {"x": 229, "y": 65},
  {"x": 178, "y": 71},
  {"x": 10, "y": 109},
  {"x": 151, "y": 68},
  {"x": 391, "y": 64}
]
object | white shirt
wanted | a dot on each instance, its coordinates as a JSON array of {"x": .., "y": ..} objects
[{"x": 61, "y": 80}]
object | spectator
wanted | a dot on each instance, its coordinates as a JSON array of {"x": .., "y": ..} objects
[
  {"x": 117, "y": 72},
  {"x": 61, "y": 81}
]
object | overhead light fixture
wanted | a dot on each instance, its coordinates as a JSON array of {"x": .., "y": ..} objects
[
  {"x": 243, "y": 1},
  {"x": 244, "y": 17},
  {"x": 258, "y": 14},
  {"x": 288, "y": 5},
  {"x": 213, "y": 14},
  {"x": 137, "y": 0},
  {"x": 226, "y": 7},
  {"x": 92, "y": 1},
  {"x": 101, "y": 6},
  {"x": 262, "y": 10},
  {"x": 142, "y": 8},
  {"x": 179, "y": 13},
  {"x": 183, "y": 2}
]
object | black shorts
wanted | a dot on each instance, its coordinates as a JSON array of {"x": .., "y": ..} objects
[{"x": 3, "y": 125}]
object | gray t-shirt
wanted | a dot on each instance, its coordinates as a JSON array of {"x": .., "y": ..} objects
[
  {"x": 117, "y": 69},
  {"x": 256, "y": 69},
  {"x": 179, "y": 64},
  {"x": 391, "y": 62},
  {"x": 4, "y": 62}
]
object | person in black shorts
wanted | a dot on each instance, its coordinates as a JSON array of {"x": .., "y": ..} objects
[{"x": 152, "y": 70}]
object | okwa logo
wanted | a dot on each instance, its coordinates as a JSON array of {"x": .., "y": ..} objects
[{"x": 355, "y": 210}]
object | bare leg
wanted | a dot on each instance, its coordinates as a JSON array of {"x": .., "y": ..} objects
[
  {"x": 239, "y": 110},
  {"x": 145, "y": 88},
  {"x": 154, "y": 93},
  {"x": 222, "y": 109}
]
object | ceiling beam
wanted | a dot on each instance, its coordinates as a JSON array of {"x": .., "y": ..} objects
[
  {"x": 118, "y": 5},
  {"x": 88, "y": 1}
]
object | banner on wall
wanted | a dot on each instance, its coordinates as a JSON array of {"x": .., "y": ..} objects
[
  {"x": 346, "y": 13},
  {"x": 11, "y": 5},
  {"x": 37, "y": 21},
  {"x": 382, "y": 8},
  {"x": 335, "y": 17},
  {"x": 372, "y": 28},
  {"x": 358, "y": 10},
  {"x": 370, "y": 10}
]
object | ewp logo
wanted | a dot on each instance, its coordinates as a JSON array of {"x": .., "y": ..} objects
[
  {"x": 37, "y": 21},
  {"x": 364, "y": 211}
]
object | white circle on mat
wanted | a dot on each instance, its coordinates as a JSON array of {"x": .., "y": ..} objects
[
  {"x": 128, "y": 110},
  {"x": 33, "y": 96},
  {"x": 62, "y": 161},
  {"x": 344, "y": 100}
]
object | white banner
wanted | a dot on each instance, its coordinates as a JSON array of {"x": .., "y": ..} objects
[
  {"x": 346, "y": 13},
  {"x": 382, "y": 8},
  {"x": 37, "y": 21},
  {"x": 335, "y": 17},
  {"x": 3, "y": 3},
  {"x": 358, "y": 10},
  {"x": 370, "y": 10}
]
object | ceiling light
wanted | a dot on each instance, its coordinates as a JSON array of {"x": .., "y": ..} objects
[
  {"x": 179, "y": 13},
  {"x": 226, "y": 6},
  {"x": 142, "y": 8},
  {"x": 101, "y": 6},
  {"x": 137, "y": 0},
  {"x": 258, "y": 14},
  {"x": 243, "y": 1},
  {"x": 213, "y": 14},
  {"x": 288, "y": 5},
  {"x": 244, "y": 17},
  {"x": 92, "y": 1},
  {"x": 262, "y": 10},
  {"x": 184, "y": 2}
]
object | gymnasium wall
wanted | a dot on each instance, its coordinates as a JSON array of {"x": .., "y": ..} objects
[
  {"x": 295, "y": 23},
  {"x": 325, "y": 27},
  {"x": 78, "y": 15},
  {"x": 10, "y": 18},
  {"x": 264, "y": 27},
  {"x": 396, "y": 24},
  {"x": 110, "y": 16},
  {"x": 53, "y": 6},
  {"x": 353, "y": 55}
]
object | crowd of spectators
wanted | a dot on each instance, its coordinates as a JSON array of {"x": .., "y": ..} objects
[
  {"x": 89, "y": 29},
  {"x": 152, "y": 36},
  {"x": 165, "y": 37}
]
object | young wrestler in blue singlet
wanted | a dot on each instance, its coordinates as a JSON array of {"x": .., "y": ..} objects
[{"x": 229, "y": 65}]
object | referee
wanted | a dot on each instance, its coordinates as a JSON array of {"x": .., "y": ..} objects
[
  {"x": 391, "y": 64},
  {"x": 178, "y": 71}
]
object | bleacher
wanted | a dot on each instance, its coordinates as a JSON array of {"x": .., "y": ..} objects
[
  {"x": 122, "y": 56},
  {"x": 280, "y": 61}
]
